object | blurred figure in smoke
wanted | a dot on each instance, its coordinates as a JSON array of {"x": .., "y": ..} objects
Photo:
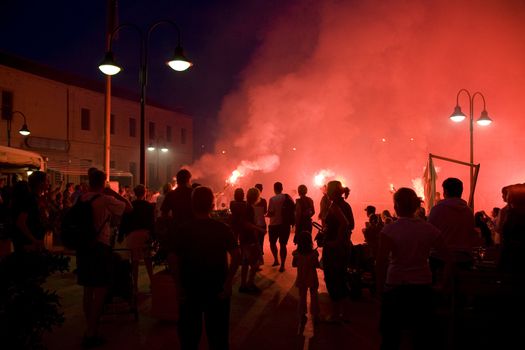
[
  {"x": 387, "y": 217},
  {"x": 278, "y": 228},
  {"x": 324, "y": 205},
  {"x": 304, "y": 210},
  {"x": 249, "y": 242},
  {"x": 480, "y": 222},
  {"x": 336, "y": 250},
  {"x": 261, "y": 208}
]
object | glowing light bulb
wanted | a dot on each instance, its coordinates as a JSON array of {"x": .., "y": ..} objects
[{"x": 383, "y": 139}]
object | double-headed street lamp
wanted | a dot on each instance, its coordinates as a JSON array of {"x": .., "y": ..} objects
[
  {"x": 159, "y": 147},
  {"x": 484, "y": 120},
  {"x": 24, "y": 131},
  {"x": 109, "y": 67}
]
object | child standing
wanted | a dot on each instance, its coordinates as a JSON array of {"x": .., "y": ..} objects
[{"x": 306, "y": 260}]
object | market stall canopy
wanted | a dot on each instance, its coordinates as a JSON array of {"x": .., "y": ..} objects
[
  {"x": 15, "y": 158},
  {"x": 80, "y": 167}
]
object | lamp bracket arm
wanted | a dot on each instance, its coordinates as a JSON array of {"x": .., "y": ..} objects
[
  {"x": 459, "y": 93},
  {"x": 477, "y": 93}
]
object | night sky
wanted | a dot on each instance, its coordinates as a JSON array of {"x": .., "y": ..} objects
[{"x": 219, "y": 37}]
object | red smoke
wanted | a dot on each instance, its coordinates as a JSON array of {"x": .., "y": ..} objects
[{"x": 365, "y": 89}]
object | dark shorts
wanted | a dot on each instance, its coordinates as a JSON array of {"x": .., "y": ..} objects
[
  {"x": 95, "y": 266},
  {"x": 279, "y": 232}
]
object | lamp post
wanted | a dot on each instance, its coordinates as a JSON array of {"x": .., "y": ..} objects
[
  {"x": 24, "y": 131},
  {"x": 179, "y": 63},
  {"x": 484, "y": 120}
]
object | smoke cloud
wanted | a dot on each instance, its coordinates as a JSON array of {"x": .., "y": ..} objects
[{"x": 364, "y": 89}]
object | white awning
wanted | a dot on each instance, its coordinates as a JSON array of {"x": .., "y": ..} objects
[
  {"x": 78, "y": 167},
  {"x": 16, "y": 158}
]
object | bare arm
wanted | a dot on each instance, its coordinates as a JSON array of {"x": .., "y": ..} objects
[
  {"x": 112, "y": 193},
  {"x": 235, "y": 260}
]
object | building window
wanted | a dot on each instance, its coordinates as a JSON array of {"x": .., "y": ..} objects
[
  {"x": 85, "y": 122},
  {"x": 7, "y": 105},
  {"x": 112, "y": 164},
  {"x": 168, "y": 133},
  {"x": 151, "y": 130},
  {"x": 112, "y": 124},
  {"x": 183, "y": 136},
  {"x": 132, "y": 127}
]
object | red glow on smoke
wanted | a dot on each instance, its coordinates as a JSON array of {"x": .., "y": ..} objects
[{"x": 365, "y": 90}]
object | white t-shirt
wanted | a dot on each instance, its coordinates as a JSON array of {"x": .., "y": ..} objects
[
  {"x": 275, "y": 206},
  {"x": 412, "y": 239},
  {"x": 103, "y": 208}
]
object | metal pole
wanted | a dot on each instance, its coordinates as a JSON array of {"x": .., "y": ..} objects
[
  {"x": 471, "y": 197},
  {"x": 9, "y": 132},
  {"x": 143, "y": 77}
]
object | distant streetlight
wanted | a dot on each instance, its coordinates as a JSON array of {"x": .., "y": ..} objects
[
  {"x": 159, "y": 149},
  {"x": 178, "y": 62},
  {"x": 484, "y": 120},
  {"x": 24, "y": 130}
]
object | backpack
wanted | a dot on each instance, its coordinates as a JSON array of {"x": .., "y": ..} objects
[
  {"x": 288, "y": 210},
  {"x": 78, "y": 229}
]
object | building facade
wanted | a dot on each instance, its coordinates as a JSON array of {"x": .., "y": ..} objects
[{"x": 65, "y": 115}]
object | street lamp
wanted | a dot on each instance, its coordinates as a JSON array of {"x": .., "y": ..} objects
[
  {"x": 178, "y": 62},
  {"x": 24, "y": 130},
  {"x": 484, "y": 120}
]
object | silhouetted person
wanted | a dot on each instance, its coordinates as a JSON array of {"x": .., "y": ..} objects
[
  {"x": 29, "y": 214},
  {"x": 306, "y": 260},
  {"x": 139, "y": 225},
  {"x": 260, "y": 209},
  {"x": 455, "y": 219},
  {"x": 278, "y": 229},
  {"x": 177, "y": 202},
  {"x": 203, "y": 276},
  {"x": 480, "y": 223},
  {"x": 304, "y": 210},
  {"x": 403, "y": 275},
  {"x": 339, "y": 225},
  {"x": 239, "y": 212}
]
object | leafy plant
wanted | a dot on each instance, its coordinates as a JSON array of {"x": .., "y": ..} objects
[{"x": 26, "y": 309}]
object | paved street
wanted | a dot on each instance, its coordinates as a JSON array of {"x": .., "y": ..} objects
[{"x": 267, "y": 321}]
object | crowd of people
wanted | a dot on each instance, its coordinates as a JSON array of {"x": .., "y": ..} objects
[{"x": 412, "y": 253}]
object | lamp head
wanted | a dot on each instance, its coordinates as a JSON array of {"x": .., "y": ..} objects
[
  {"x": 108, "y": 66},
  {"x": 164, "y": 149},
  {"x": 458, "y": 115},
  {"x": 151, "y": 148},
  {"x": 484, "y": 119},
  {"x": 179, "y": 62},
  {"x": 24, "y": 130}
]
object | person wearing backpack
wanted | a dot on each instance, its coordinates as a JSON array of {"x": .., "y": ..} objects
[
  {"x": 281, "y": 211},
  {"x": 94, "y": 259}
]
